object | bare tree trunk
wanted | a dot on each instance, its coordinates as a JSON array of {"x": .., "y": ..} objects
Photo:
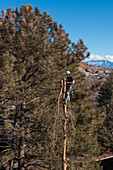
[
  {"x": 64, "y": 161},
  {"x": 64, "y": 144}
]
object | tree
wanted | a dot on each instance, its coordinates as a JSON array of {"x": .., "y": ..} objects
[
  {"x": 32, "y": 47},
  {"x": 105, "y": 99},
  {"x": 34, "y": 55}
]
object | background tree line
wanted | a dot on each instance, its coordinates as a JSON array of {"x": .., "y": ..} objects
[{"x": 105, "y": 99}]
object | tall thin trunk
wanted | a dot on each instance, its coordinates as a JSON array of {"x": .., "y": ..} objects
[{"x": 64, "y": 161}]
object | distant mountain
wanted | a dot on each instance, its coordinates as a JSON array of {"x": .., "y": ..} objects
[
  {"x": 94, "y": 74},
  {"x": 100, "y": 63}
]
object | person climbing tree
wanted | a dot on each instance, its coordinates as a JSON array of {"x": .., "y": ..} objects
[{"x": 69, "y": 86}]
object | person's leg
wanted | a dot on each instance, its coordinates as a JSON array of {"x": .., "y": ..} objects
[
  {"x": 68, "y": 95},
  {"x": 67, "y": 98}
]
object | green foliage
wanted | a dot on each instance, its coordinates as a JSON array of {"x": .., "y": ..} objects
[
  {"x": 35, "y": 54},
  {"x": 105, "y": 99}
]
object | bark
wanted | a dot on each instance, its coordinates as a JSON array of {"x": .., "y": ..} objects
[{"x": 64, "y": 162}]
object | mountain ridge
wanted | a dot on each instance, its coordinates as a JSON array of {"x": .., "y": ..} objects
[{"x": 100, "y": 63}]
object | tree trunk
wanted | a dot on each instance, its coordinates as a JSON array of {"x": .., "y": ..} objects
[
  {"x": 64, "y": 164},
  {"x": 21, "y": 154},
  {"x": 64, "y": 161}
]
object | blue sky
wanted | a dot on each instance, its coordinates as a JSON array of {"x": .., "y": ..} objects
[{"x": 91, "y": 20}]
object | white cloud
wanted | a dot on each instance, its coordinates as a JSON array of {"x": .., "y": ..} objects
[{"x": 98, "y": 57}]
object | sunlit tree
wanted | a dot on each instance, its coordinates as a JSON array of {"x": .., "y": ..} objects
[{"x": 34, "y": 55}]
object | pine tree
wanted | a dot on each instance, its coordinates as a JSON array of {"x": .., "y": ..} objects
[
  {"x": 32, "y": 47},
  {"x": 105, "y": 99},
  {"x": 35, "y": 54}
]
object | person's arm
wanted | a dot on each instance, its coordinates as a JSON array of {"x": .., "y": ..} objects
[{"x": 73, "y": 81}]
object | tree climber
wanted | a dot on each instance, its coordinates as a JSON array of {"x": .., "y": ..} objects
[{"x": 69, "y": 86}]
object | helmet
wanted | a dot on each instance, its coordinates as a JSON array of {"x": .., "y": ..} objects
[{"x": 68, "y": 72}]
